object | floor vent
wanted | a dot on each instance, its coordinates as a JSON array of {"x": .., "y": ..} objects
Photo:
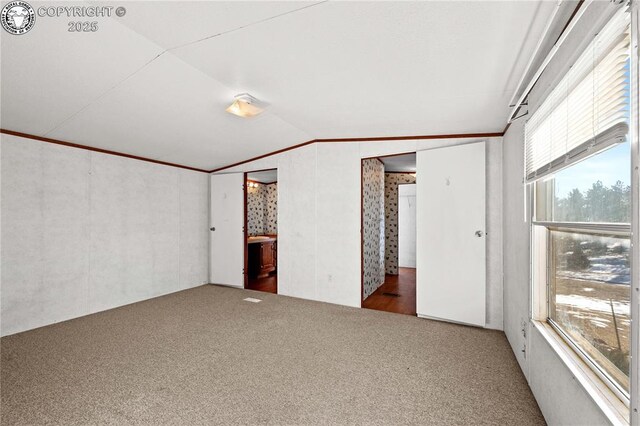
[
  {"x": 391, "y": 294},
  {"x": 252, "y": 300}
]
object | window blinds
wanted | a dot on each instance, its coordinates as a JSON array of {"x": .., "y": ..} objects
[{"x": 588, "y": 110}]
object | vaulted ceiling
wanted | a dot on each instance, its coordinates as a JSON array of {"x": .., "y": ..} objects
[{"x": 156, "y": 82}]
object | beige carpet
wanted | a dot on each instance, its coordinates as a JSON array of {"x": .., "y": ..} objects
[{"x": 204, "y": 356}]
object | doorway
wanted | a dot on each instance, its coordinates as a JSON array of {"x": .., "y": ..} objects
[
  {"x": 261, "y": 230},
  {"x": 388, "y": 233}
]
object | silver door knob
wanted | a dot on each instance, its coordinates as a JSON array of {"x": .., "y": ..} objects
[{"x": 479, "y": 234}]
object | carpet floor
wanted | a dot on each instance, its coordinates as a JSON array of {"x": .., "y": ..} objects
[{"x": 205, "y": 356}]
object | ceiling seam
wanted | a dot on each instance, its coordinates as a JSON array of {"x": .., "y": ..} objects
[
  {"x": 163, "y": 51},
  {"x": 246, "y": 26},
  {"x": 48, "y": 132},
  {"x": 103, "y": 94}
]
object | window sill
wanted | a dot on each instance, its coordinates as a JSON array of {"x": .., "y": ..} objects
[{"x": 615, "y": 410}]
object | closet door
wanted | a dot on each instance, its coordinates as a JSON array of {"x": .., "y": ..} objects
[
  {"x": 226, "y": 265},
  {"x": 451, "y": 249}
]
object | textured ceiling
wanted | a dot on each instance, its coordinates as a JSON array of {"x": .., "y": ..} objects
[{"x": 155, "y": 82}]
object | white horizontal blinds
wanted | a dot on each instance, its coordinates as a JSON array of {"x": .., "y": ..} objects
[{"x": 588, "y": 110}]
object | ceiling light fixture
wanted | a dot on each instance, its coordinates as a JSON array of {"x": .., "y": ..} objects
[{"x": 244, "y": 105}]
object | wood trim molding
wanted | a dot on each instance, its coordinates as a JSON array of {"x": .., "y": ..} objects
[
  {"x": 258, "y": 171},
  {"x": 405, "y": 138},
  {"x": 361, "y": 233},
  {"x": 396, "y": 154},
  {"x": 100, "y": 150},
  {"x": 300, "y": 145},
  {"x": 245, "y": 231},
  {"x": 262, "y": 170},
  {"x": 366, "y": 139},
  {"x": 262, "y": 183},
  {"x": 269, "y": 154}
]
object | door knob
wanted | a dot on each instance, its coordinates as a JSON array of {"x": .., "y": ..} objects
[
  {"x": 212, "y": 229},
  {"x": 479, "y": 233}
]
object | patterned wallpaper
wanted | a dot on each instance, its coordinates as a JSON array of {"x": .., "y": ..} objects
[
  {"x": 373, "y": 224},
  {"x": 255, "y": 209},
  {"x": 391, "y": 182},
  {"x": 271, "y": 210},
  {"x": 262, "y": 209}
]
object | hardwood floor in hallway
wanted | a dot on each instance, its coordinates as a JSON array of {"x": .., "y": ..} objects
[
  {"x": 397, "y": 294},
  {"x": 268, "y": 284}
]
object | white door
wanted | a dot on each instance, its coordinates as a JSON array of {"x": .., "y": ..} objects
[
  {"x": 226, "y": 263},
  {"x": 450, "y": 281},
  {"x": 407, "y": 225}
]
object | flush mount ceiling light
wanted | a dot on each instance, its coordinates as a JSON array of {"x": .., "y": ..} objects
[{"x": 245, "y": 105}]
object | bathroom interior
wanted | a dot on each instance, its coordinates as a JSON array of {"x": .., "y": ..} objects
[{"x": 261, "y": 225}]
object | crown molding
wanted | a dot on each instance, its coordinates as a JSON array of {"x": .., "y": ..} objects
[
  {"x": 100, "y": 150},
  {"x": 300, "y": 145},
  {"x": 366, "y": 139}
]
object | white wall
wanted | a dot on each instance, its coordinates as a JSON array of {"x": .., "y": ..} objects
[
  {"x": 407, "y": 226},
  {"x": 84, "y": 232},
  {"x": 319, "y": 217},
  {"x": 560, "y": 397}
]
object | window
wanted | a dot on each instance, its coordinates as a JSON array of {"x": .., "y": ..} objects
[
  {"x": 578, "y": 166},
  {"x": 590, "y": 299}
]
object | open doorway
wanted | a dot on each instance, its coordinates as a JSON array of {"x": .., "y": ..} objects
[
  {"x": 388, "y": 233},
  {"x": 407, "y": 225},
  {"x": 261, "y": 231}
]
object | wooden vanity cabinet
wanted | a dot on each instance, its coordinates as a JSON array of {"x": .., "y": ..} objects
[{"x": 262, "y": 258}]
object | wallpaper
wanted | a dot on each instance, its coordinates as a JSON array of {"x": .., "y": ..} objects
[
  {"x": 391, "y": 182},
  {"x": 262, "y": 209},
  {"x": 271, "y": 209},
  {"x": 372, "y": 225},
  {"x": 255, "y": 209}
]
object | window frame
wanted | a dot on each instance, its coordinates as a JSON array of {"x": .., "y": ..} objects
[
  {"x": 541, "y": 278},
  {"x": 597, "y": 387}
]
